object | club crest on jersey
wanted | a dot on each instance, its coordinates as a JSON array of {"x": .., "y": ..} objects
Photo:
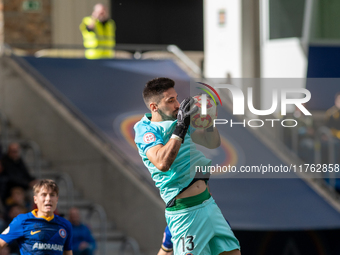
[
  {"x": 62, "y": 233},
  {"x": 149, "y": 138},
  {"x": 6, "y": 231}
]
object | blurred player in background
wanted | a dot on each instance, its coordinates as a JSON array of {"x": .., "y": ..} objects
[
  {"x": 98, "y": 33},
  {"x": 40, "y": 231},
  {"x": 164, "y": 142},
  {"x": 167, "y": 246}
]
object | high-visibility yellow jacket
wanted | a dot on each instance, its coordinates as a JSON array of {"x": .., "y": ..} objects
[{"x": 100, "y": 42}]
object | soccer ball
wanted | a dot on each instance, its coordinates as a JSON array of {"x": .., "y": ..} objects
[{"x": 199, "y": 121}]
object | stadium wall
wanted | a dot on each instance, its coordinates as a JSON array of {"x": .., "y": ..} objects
[
  {"x": 53, "y": 22},
  {"x": 1, "y": 24},
  {"x": 136, "y": 209},
  {"x": 232, "y": 38},
  {"x": 27, "y": 25}
]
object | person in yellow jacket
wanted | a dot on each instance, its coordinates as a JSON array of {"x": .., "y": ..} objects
[{"x": 98, "y": 33}]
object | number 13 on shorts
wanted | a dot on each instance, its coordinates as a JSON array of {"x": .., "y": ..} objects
[{"x": 187, "y": 243}]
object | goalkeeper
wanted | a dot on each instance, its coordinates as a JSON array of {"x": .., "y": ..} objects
[{"x": 164, "y": 142}]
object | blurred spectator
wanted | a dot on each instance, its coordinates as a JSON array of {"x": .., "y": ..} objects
[
  {"x": 2, "y": 219},
  {"x": 15, "y": 170},
  {"x": 18, "y": 197},
  {"x": 306, "y": 135},
  {"x": 3, "y": 182},
  {"x": 83, "y": 241},
  {"x": 302, "y": 135},
  {"x": 333, "y": 123},
  {"x": 2, "y": 223},
  {"x": 333, "y": 117},
  {"x": 14, "y": 211},
  {"x": 98, "y": 33}
]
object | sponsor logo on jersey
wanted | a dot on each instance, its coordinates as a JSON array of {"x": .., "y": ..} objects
[
  {"x": 48, "y": 247},
  {"x": 35, "y": 232},
  {"x": 62, "y": 233},
  {"x": 6, "y": 231},
  {"x": 149, "y": 138}
]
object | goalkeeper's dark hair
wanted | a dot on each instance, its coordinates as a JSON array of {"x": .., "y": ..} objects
[{"x": 154, "y": 89}]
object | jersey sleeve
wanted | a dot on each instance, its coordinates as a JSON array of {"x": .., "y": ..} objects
[
  {"x": 167, "y": 244},
  {"x": 147, "y": 137},
  {"x": 13, "y": 231},
  {"x": 68, "y": 242}
]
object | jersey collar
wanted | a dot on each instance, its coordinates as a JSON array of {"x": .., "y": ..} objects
[
  {"x": 35, "y": 214},
  {"x": 147, "y": 117}
]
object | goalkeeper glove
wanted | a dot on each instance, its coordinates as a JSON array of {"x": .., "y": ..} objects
[{"x": 183, "y": 117}]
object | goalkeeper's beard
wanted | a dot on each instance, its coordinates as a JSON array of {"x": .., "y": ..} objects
[{"x": 167, "y": 117}]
